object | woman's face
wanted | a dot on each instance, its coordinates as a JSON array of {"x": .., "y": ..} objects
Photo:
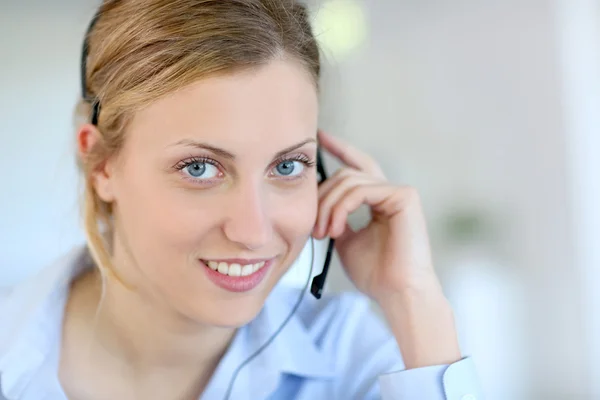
[{"x": 220, "y": 176}]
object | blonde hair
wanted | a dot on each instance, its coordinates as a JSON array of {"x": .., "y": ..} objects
[{"x": 142, "y": 50}]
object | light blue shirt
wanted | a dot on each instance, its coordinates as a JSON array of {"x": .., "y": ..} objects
[{"x": 333, "y": 348}]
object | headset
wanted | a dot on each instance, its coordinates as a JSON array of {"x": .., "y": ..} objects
[{"x": 318, "y": 282}]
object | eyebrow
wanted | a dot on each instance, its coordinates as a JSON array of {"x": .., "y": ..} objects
[{"x": 226, "y": 154}]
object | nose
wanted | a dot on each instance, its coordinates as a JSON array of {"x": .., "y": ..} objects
[{"x": 248, "y": 223}]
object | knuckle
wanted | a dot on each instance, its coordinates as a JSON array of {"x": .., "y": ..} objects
[
  {"x": 348, "y": 172},
  {"x": 342, "y": 173},
  {"x": 329, "y": 199},
  {"x": 410, "y": 193},
  {"x": 347, "y": 180},
  {"x": 356, "y": 191}
]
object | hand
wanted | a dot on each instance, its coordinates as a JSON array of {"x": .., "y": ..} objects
[
  {"x": 391, "y": 254},
  {"x": 389, "y": 260}
]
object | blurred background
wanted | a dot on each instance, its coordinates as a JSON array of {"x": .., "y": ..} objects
[{"x": 490, "y": 108}]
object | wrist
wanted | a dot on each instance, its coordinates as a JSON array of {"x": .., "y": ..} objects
[{"x": 423, "y": 324}]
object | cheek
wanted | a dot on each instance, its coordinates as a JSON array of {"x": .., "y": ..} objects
[
  {"x": 295, "y": 215},
  {"x": 159, "y": 215}
]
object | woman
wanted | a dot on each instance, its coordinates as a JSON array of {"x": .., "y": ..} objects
[{"x": 199, "y": 155}]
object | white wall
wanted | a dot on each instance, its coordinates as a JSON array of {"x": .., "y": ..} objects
[
  {"x": 38, "y": 88},
  {"x": 579, "y": 33}
]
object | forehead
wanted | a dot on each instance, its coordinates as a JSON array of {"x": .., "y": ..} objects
[{"x": 276, "y": 102}]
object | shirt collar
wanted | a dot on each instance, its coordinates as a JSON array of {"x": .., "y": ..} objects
[{"x": 293, "y": 351}]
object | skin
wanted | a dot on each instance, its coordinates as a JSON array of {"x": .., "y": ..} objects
[{"x": 163, "y": 337}]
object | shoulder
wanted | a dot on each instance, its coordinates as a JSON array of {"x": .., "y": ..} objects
[
  {"x": 23, "y": 304},
  {"x": 331, "y": 304},
  {"x": 5, "y": 293},
  {"x": 333, "y": 312},
  {"x": 340, "y": 321},
  {"x": 349, "y": 334},
  {"x": 30, "y": 315}
]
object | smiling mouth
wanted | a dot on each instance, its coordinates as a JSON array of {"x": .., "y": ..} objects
[
  {"x": 237, "y": 275},
  {"x": 234, "y": 269}
]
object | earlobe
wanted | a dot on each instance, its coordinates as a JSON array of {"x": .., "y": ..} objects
[
  {"x": 102, "y": 184},
  {"x": 88, "y": 137}
]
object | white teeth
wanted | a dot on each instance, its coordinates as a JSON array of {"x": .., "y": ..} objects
[
  {"x": 234, "y": 269},
  {"x": 223, "y": 268},
  {"x": 258, "y": 266},
  {"x": 248, "y": 269}
]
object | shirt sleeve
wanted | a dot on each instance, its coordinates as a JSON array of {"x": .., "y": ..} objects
[
  {"x": 457, "y": 381},
  {"x": 373, "y": 368}
]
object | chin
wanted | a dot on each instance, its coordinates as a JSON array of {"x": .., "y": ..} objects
[{"x": 229, "y": 316}]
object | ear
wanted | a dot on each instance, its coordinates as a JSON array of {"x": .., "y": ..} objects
[{"x": 88, "y": 137}]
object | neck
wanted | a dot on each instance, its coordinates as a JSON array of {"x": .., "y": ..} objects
[
  {"x": 150, "y": 334},
  {"x": 131, "y": 332}
]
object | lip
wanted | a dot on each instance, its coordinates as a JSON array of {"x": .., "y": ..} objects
[{"x": 238, "y": 284}]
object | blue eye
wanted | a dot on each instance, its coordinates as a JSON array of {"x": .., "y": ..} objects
[
  {"x": 289, "y": 168},
  {"x": 201, "y": 170},
  {"x": 196, "y": 169}
]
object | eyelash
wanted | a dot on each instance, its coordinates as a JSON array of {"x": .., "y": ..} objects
[
  {"x": 304, "y": 159},
  {"x": 205, "y": 160},
  {"x": 195, "y": 160}
]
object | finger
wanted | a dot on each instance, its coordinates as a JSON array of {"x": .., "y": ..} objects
[
  {"x": 334, "y": 179},
  {"x": 340, "y": 175},
  {"x": 352, "y": 199},
  {"x": 341, "y": 232},
  {"x": 349, "y": 155},
  {"x": 335, "y": 193},
  {"x": 328, "y": 202}
]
